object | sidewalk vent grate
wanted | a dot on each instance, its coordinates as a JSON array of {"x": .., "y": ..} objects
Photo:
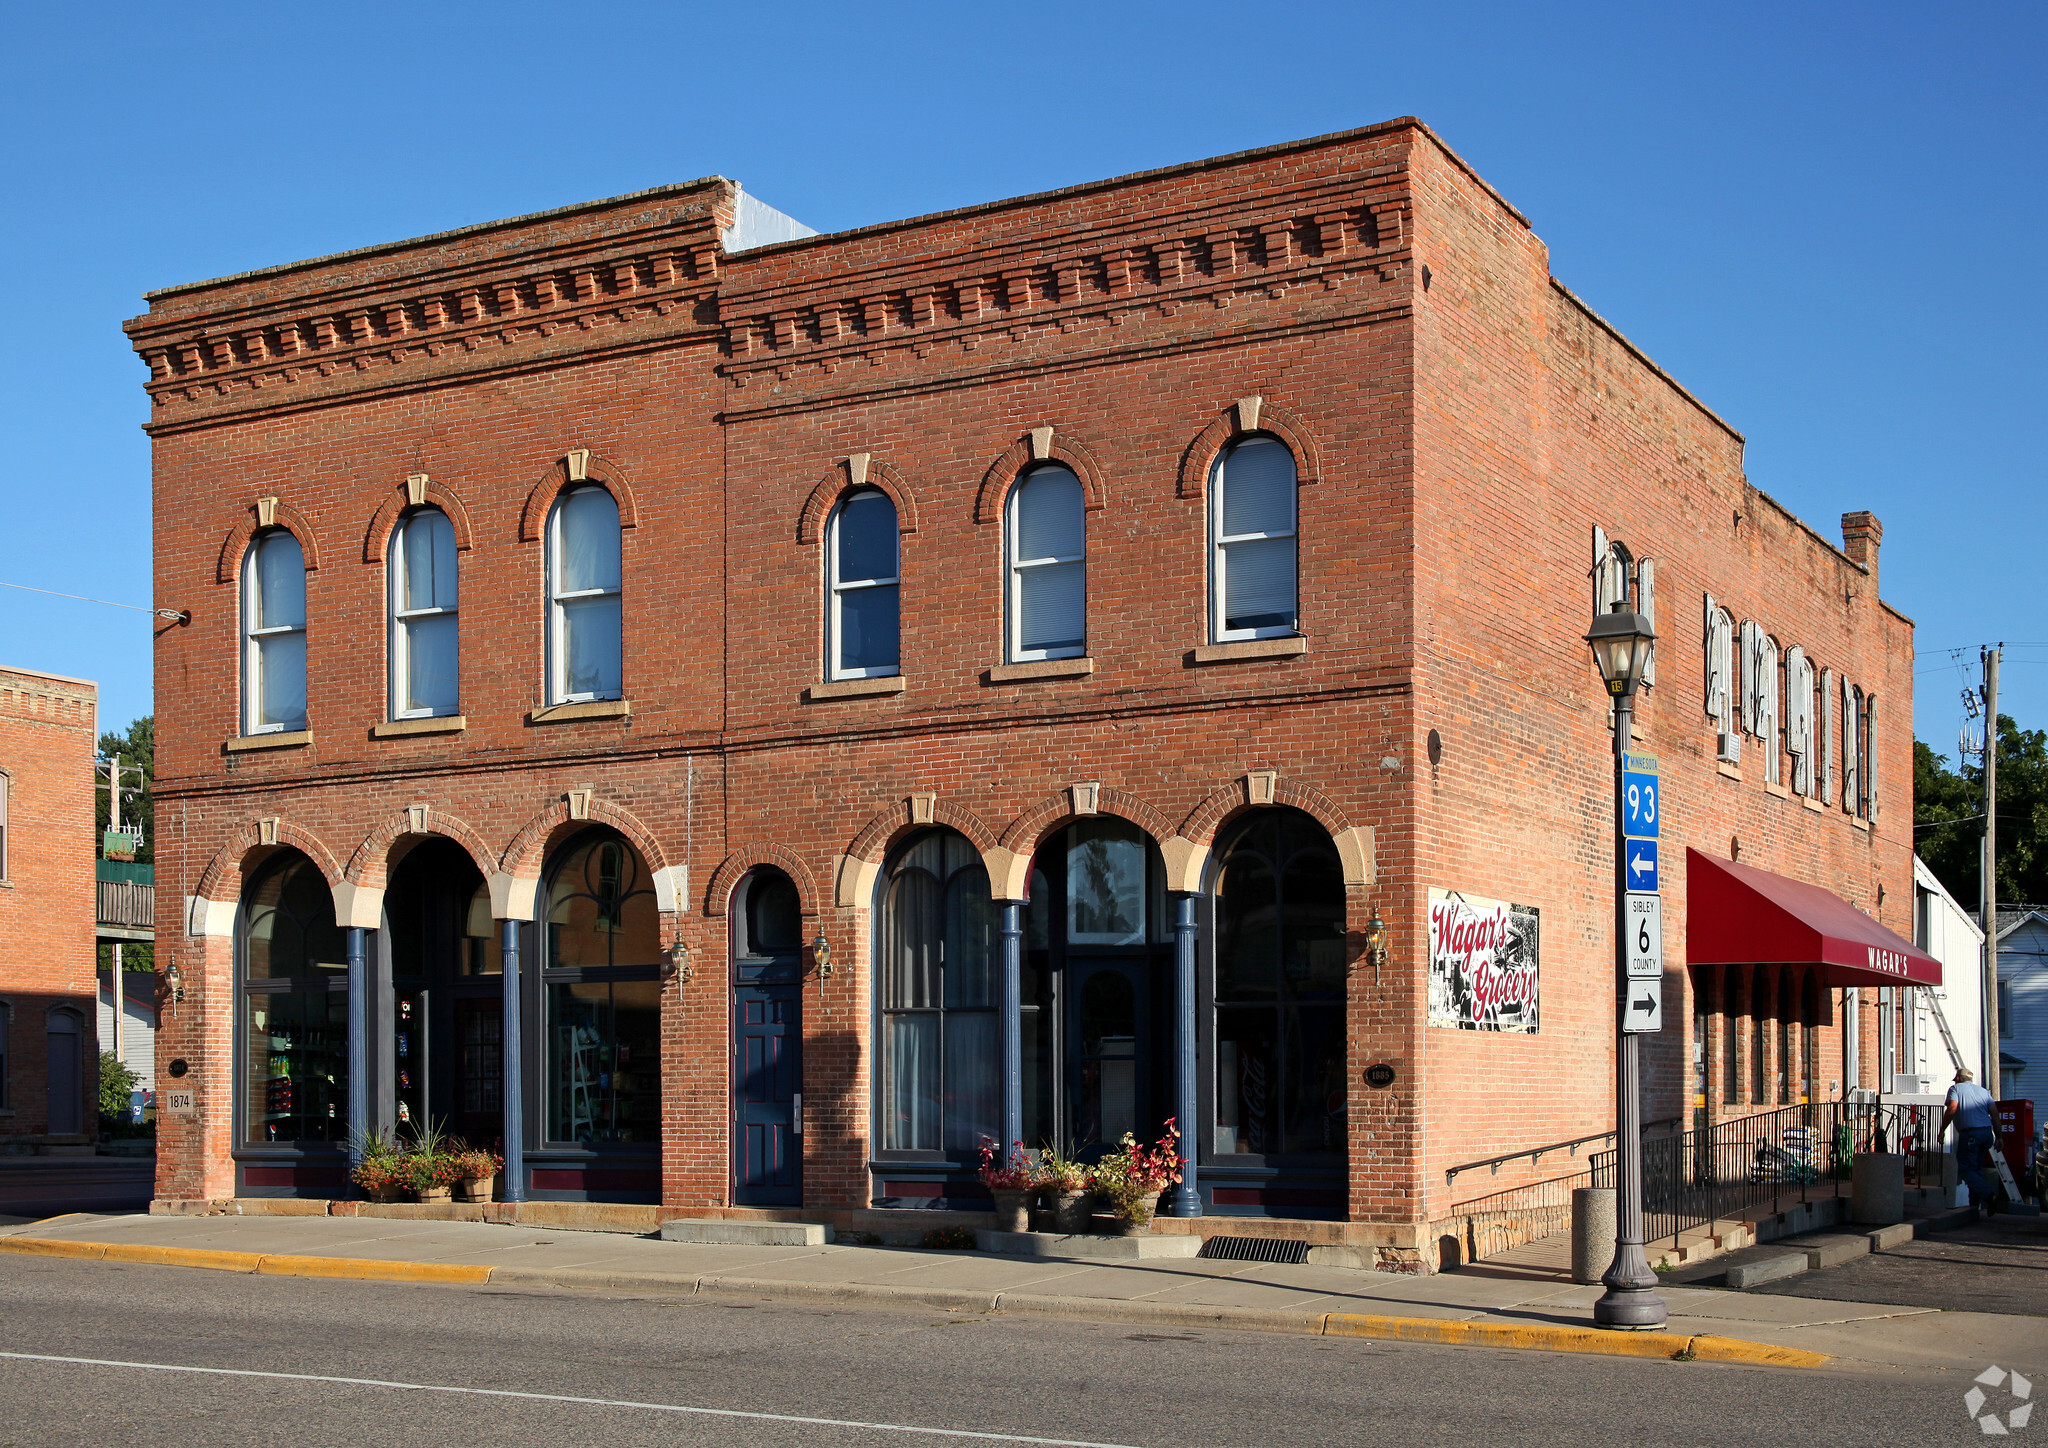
[{"x": 1254, "y": 1249}]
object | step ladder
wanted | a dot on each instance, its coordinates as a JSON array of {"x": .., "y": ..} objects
[{"x": 1948, "y": 1039}]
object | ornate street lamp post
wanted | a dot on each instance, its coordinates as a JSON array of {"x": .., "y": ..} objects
[{"x": 1621, "y": 641}]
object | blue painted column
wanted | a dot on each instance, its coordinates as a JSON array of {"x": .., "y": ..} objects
[
  {"x": 358, "y": 1056},
  {"x": 1013, "y": 1024},
  {"x": 1186, "y": 1199},
  {"x": 513, "y": 1072}
]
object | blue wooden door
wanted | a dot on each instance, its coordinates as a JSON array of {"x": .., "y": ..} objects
[{"x": 767, "y": 1137}]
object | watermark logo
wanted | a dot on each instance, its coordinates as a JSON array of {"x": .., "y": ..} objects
[{"x": 2017, "y": 1388}]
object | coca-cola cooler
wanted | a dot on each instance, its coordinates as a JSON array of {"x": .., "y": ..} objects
[{"x": 2014, "y": 1122}]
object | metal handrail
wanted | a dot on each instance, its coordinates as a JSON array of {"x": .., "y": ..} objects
[{"x": 1537, "y": 1153}]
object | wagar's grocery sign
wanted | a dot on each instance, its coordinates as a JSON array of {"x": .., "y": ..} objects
[{"x": 1484, "y": 963}]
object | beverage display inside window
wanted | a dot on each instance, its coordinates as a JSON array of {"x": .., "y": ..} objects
[
  {"x": 1280, "y": 971},
  {"x": 409, "y": 1057},
  {"x": 297, "y": 1060},
  {"x": 294, "y": 1024}
]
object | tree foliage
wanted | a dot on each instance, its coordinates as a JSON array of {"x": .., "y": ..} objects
[{"x": 1948, "y": 817}]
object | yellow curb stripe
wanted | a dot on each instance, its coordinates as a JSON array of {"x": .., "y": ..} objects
[
  {"x": 373, "y": 1270},
  {"x": 1712, "y": 1349},
  {"x": 1538, "y": 1336},
  {"x": 1506, "y": 1334}
]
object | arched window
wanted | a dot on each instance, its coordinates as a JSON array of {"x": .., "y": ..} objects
[
  {"x": 584, "y": 624},
  {"x": 274, "y": 634},
  {"x": 772, "y": 919},
  {"x": 424, "y": 646},
  {"x": 294, "y": 970},
  {"x": 940, "y": 1051},
  {"x": 1279, "y": 989},
  {"x": 863, "y": 623},
  {"x": 1048, "y": 544},
  {"x": 601, "y": 981},
  {"x": 1252, "y": 529}
]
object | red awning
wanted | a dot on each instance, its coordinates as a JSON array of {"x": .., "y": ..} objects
[{"x": 1739, "y": 915}]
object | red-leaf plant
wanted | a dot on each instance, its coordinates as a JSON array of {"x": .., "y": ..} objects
[{"x": 1014, "y": 1175}]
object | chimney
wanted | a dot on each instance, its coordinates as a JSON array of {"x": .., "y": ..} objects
[{"x": 1861, "y": 533}]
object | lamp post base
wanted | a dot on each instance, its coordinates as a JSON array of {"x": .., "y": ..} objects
[{"x": 1629, "y": 1309}]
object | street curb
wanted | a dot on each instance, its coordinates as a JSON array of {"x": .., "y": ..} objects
[{"x": 1541, "y": 1337}]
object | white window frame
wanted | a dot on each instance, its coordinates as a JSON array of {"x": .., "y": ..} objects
[
  {"x": 252, "y": 668},
  {"x": 834, "y": 589},
  {"x": 1218, "y": 548},
  {"x": 1015, "y": 566},
  {"x": 557, "y": 652},
  {"x": 401, "y": 664}
]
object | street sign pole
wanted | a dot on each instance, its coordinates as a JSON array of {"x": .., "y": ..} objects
[{"x": 1631, "y": 1300}]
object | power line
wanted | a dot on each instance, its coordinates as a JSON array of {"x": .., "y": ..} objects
[{"x": 176, "y": 615}]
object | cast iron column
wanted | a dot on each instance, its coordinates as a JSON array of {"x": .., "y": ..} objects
[
  {"x": 1186, "y": 1199},
  {"x": 1631, "y": 1300},
  {"x": 358, "y": 1056},
  {"x": 512, "y": 1073},
  {"x": 1013, "y": 1025}
]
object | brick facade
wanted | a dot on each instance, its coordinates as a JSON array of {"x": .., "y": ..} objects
[
  {"x": 1460, "y": 424},
  {"x": 48, "y": 734}
]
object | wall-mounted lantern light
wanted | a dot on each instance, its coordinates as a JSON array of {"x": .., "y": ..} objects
[
  {"x": 677, "y": 965},
  {"x": 1376, "y": 943},
  {"x": 821, "y": 957}
]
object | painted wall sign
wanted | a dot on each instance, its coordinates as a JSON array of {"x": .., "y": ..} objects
[{"x": 1484, "y": 963}]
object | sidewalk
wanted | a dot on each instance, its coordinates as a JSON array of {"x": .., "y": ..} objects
[{"x": 1512, "y": 1304}]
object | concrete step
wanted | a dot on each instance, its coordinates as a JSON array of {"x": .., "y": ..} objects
[
  {"x": 724, "y": 1232},
  {"x": 1772, "y": 1267},
  {"x": 1052, "y": 1244},
  {"x": 1832, "y": 1249}
]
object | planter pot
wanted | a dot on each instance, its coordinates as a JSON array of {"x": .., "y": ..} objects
[
  {"x": 1069, "y": 1211},
  {"x": 1011, "y": 1215},
  {"x": 434, "y": 1194},
  {"x": 1140, "y": 1221},
  {"x": 385, "y": 1192},
  {"x": 475, "y": 1189}
]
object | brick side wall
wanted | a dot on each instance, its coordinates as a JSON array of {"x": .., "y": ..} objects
[{"x": 48, "y": 729}]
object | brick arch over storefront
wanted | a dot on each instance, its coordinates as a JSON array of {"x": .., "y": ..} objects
[
  {"x": 1248, "y": 417},
  {"x": 228, "y": 567},
  {"x": 1003, "y": 473},
  {"x": 222, "y": 878},
  {"x": 726, "y": 878},
  {"x": 398, "y": 502},
  {"x": 370, "y": 865},
  {"x": 1009, "y": 864},
  {"x": 561, "y": 475},
  {"x": 862, "y": 862},
  {"x": 858, "y": 471},
  {"x": 527, "y": 853},
  {"x": 1188, "y": 851}
]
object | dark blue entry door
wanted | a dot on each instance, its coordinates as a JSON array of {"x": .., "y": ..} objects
[{"x": 767, "y": 1137}]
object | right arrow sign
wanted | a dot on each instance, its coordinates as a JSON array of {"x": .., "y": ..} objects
[{"x": 1643, "y": 1010}]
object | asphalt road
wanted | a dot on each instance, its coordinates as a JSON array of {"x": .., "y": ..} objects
[{"x": 872, "y": 1374}]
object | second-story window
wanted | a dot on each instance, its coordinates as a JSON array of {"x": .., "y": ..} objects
[
  {"x": 424, "y": 643},
  {"x": 274, "y": 634},
  {"x": 1252, "y": 522},
  {"x": 863, "y": 622},
  {"x": 583, "y": 598},
  {"x": 1048, "y": 602}
]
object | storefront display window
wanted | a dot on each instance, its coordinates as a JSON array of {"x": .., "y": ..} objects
[
  {"x": 602, "y": 996},
  {"x": 1279, "y": 990},
  {"x": 294, "y": 1009}
]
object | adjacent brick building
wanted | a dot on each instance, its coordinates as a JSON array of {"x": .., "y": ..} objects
[
  {"x": 761, "y": 642},
  {"x": 49, "y": 1053}
]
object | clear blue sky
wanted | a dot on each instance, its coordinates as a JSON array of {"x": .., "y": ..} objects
[{"x": 1827, "y": 221}]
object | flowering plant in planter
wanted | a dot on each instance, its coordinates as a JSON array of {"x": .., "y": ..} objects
[
  {"x": 1057, "y": 1173},
  {"x": 1016, "y": 1174},
  {"x": 479, "y": 1165},
  {"x": 378, "y": 1172},
  {"x": 1131, "y": 1178}
]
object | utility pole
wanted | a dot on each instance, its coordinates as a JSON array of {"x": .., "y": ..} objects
[
  {"x": 1991, "y": 659},
  {"x": 114, "y": 950}
]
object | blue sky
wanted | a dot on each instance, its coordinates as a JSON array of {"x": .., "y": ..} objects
[{"x": 1827, "y": 221}]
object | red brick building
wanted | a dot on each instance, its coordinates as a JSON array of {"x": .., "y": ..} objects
[
  {"x": 1045, "y": 606},
  {"x": 49, "y": 1052}
]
